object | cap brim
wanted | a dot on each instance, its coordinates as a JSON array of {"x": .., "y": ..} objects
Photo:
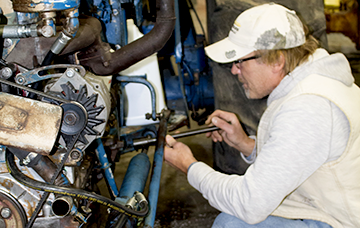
[{"x": 225, "y": 51}]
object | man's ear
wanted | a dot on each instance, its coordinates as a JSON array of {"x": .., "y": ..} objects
[{"x": 279, "y": 65}]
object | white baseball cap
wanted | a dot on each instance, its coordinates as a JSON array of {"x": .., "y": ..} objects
[{"x": 264, "y": 27}]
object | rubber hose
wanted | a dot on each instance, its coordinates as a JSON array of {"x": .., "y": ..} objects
[{"x": 31, "y": 183}]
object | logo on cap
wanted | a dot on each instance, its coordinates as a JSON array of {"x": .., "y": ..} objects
[{"x": 230, "y": 54}]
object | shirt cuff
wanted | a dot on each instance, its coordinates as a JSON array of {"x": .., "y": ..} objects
[
  {"x": 251, "y": 158},
  {"x": 197, "y": 172},
  {"x": 190, "y": 166}
]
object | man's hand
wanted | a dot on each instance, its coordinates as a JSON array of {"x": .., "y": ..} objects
[
  {"x": 231, "y": 131},
  {"x": 178, "y": 154}
]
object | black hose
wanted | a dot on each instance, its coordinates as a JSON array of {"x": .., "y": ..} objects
[
  {"x": 48, "y": 58},
  {"x": 102, "y": 62},
  {"x": 61, "y": 190}
]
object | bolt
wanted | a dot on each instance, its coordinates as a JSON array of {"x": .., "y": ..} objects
[
  {"x": 75, "y": 155},
  {"x": 159, "y": 115},
  {"x": 148, "y": 116},
  {"x": 6, "y": 72},
  {"x": 5, "y": 213},
  {"x": 86, "y": 209},
  {"x": 29, "y": 158},
  {"x": 70, "y": 73},
  {"x": 70, "y": 118},
  {"x": 8, "y": 43},
  {"x": 20, "y": 80},
  {"x": 47, "y": 31},
  {"x": 26, "y": 160},
  {"x": 115, "y": 12}
]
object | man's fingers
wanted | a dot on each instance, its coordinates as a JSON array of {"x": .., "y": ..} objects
[
  {"x": 221, "y": 123},
  {"x": 225, "y": 116},
  {"x": 170, "y": 141},
  {"x": 215, "y": 113},
  {"x": 216, "y": 136}
]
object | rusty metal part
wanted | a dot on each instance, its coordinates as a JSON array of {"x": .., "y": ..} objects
[
  {"x": 102, "y": 62},
  {"x": 54, "y": 177},
  {"x": 11, "y": 211},
  {"x": 83, "y": 172},
  {"x": 28, "y": 124},
  {"x": 28, "y": 197},
  {"x": 157, "y": 168},
  {"x": 28, "y": 6},
  {"x": 46, "y": 169},
  {"x": 88, "y": 32},
  {"x": 140, "y": 142}
]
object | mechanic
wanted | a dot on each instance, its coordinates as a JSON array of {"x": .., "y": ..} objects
[{"x": 305, "y": 162}]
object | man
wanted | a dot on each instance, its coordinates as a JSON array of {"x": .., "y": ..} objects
[{"x": 305, "y": 157}]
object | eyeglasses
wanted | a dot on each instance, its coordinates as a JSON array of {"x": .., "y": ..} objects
[{"x": 237, "y": 62}]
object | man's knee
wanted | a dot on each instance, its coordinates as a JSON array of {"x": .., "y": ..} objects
[{"x": 225, "y": 220}]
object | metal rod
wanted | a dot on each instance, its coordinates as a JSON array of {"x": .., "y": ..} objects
[
  {"x": 154, "y": 187},
  {"x": 139, "y": 142},
  {"x": 106, "y": 166}
]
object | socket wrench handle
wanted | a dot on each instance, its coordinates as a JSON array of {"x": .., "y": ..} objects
[{"x": 140, "y": 142}]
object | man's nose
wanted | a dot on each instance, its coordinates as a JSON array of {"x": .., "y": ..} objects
[{"x": 235, "y": 70}]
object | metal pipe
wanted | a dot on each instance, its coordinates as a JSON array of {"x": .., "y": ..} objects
[
  {"x": 18, "y": 31},
  {"x": 62, "y": 205},
  {"x": 157, "y": 168},
  {"x": 134, "y": 182},
  {"x": 141, "y": 80},
  {"x": 140, "y": 142},
  {"x": 69, "y": 32},
  {"x": 107, "y": 63},
  {"x": 135, "y": 178}
]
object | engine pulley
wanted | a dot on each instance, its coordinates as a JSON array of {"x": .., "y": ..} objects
[
  {"x": 74, "y": 118},
  {"x": 11, "y": 211}
]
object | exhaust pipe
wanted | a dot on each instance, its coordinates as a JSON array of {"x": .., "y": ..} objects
[{"x": 103, "y": 62}]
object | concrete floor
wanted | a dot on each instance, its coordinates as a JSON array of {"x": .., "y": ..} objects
[{"x": 179, "y": 204}]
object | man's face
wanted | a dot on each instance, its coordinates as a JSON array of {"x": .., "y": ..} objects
[{"x": 258, "y": 79}]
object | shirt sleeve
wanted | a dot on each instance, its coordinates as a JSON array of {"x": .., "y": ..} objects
[
  {"x": 251, "y": 158},
  {"x": 299, "y": 144}
]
